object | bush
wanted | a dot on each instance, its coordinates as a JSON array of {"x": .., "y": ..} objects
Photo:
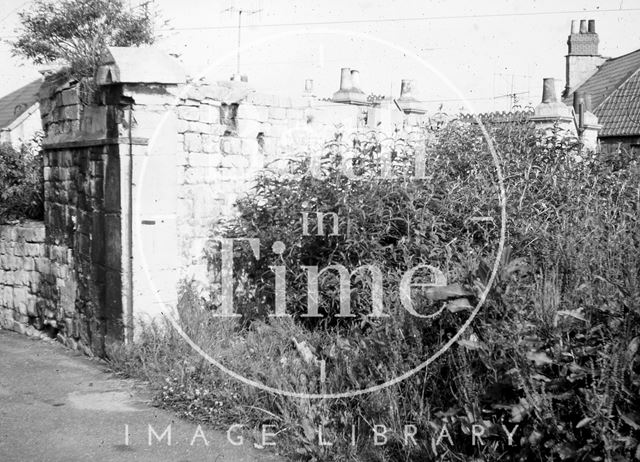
[
  {"x": 554, "y": 349},
  {"x": 21, "y": 183}
]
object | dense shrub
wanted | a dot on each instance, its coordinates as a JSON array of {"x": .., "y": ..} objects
[
  {"x": 554, "y": 349},
  {"x": 21, "y": 183}
]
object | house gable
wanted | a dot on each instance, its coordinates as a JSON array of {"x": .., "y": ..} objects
[{"x": 16, "y": 103}]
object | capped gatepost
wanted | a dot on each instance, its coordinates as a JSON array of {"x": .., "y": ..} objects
[
  {"x": 551, "y": 111},
  {"x": 146, "y": 82},
  {"x": 350, "y": 91}
]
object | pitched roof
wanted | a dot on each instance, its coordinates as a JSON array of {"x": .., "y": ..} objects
[
  {"x": 615, "y": 95},
  {"x": 17, "y": 102},
  {"x": 619, "y": 113}
]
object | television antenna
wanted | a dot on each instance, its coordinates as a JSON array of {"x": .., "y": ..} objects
[{"x": 246, "y": 12}]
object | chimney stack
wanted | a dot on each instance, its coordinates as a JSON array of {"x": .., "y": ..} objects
[
  {"x": 586, "y": 122},
  {"x": 583, "y": 58},
  {"x": 551, "y": 111},
  {"x": 350, "y": 92},
  {"x": 407, "y": 101}
]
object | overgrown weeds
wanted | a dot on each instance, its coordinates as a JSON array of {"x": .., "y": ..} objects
[{"x": 549, "y": 370}]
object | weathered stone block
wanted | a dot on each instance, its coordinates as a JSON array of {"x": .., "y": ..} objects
[
  {"x": 60, "y": 271},
  {"x": 247, "y": 111},
  {"x": 34, "y": 249},
  {"x": 69, "y": 97},
  {"x": 235, "y": 161},
  {"x": 200, "y": 127},
  {"x": 43, "y": 265},
  {"x": 209, "y": 114},
  {"x": 277, "y": 113},
  {"x": 29, "y": 264},
  {"x": 31, "y": 306},
  {"x": 20, "y": 296},
  {"x": 193, "y": 142},
  {"x": 211, "y": 144},
  {"x": 7, "y": 294},
  {"x": 22, "y": 277},
  {"x": 8, "y": 232},
  {"x": 262, "y": 113},
  {"x": 20, "y": 324},
  {"x": 249, "y": 129},
  {"x": 197, "y": 159},
  {"x": 14, "y": 263},
  {"x": 250, "y": 147},
  {"x": 34, "y": 233},
  {"x": 70, "y": 112},
  {"x": 189, "y": 113},
  {"x": 19, "y": 249},
  {"x": 230, "y": 145},
  {"x": 182, "y": 125},
  {"x": 295, "y": 114}
]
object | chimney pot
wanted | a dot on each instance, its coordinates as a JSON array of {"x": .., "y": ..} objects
[
  {"x": 575, "y": 26},
  {"x": 583, "y": 26},
  {"x": 587, "y": 101},
  {"x": 355, "y": 79},
  {"x": 406, "y": 89},
  {"x": 578, "y": 97},
  {"x": 549, "y": 90},
  {"x": 592, "y": 26},
  {"x": 308, "y": 86},
  {"x": 345, "y": 79}
]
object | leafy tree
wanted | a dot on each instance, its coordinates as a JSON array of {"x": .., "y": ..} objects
[{"x": 77, "y": 32}]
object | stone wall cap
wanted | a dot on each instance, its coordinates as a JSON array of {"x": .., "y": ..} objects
[{"x": 139, "y": 65}]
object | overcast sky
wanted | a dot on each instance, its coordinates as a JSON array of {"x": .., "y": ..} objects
[{"x": 485, "y": 49}]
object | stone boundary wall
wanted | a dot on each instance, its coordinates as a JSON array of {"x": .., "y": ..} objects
[
  {"x": 227, "y": 133},
  {"x": 36, "y": 282},
  {"x": 23, "y": 262},
  {"x": 206, "y": 141}
]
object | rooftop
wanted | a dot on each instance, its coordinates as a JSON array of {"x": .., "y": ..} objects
[
  {"x": 17, "y": 102},
  {"x": 615, "y": 95}
]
